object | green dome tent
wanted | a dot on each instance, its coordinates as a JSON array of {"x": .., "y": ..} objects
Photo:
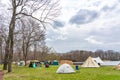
[{"x": 55, "y": 62}]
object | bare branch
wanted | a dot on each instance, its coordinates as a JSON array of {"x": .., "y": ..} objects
[{"x": 39, "y": 7}]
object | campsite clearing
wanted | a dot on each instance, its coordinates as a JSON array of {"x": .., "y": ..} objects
[{"x": 42, "y": 73}]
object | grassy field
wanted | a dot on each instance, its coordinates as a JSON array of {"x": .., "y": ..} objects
[{"x": 42, "y": 73}]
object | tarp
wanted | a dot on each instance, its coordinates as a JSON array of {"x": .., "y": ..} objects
[{"x": 66, "y": 61}]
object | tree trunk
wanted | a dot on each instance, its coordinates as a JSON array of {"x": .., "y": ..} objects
[
  {"x": 24, "y": 52},
  {"x": 1, "y": 55},
  {"x": 5, "y": 61},
  {"x": 6, "y": 55},
  {"x": 35, "y": 46},
  {"x": 10, "y": 59},
  {"x": 11, "y": 38},
  {"x": 25, "y": 61},
  {"x": 11, "y": 35}
]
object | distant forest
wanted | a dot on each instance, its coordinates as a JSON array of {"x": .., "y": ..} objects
[
  {"x": 80, "y": 55},
  {"x": 75, "y": 56}
]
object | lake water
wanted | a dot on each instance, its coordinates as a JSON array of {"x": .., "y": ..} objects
[{"x": 112, "y": 63}]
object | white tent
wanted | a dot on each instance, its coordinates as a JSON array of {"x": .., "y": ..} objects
[
  {"x": 90, "y": 63},
  {"x": 98, "y": 60},
  {"x": 65, "y": 68},
  {"x": 21, "y": 63}
]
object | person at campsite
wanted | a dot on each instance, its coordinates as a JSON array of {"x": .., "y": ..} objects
[
  {"x": 34, "y": 65},
  {"x": 30, "y": 65},
  {"x": 46, "y": 65}
]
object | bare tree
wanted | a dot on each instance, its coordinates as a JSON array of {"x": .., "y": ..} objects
[
  {"x": 44, "y": 51},
  {"x": 31, "y": 32},
  {"x": 1, "y": 55},
  {"x": 45, "y": 10},
  {"x": 3, "y": 35}
]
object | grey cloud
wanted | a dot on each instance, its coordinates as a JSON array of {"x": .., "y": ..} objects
[
  {"x": 119, "y": 1},
  {"x": 108, "y": 8},
  {"x": 83, "y": 16},
  {"x": 97, "y": 3},
  {"x": 57, "y": 24},
  {"x": 107, "y": 35}
]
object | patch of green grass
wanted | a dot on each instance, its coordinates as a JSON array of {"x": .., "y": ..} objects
[{"x": 42, "y": 73}]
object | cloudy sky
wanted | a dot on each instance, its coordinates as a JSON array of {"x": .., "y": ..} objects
[{"x": 86, "y": 25}]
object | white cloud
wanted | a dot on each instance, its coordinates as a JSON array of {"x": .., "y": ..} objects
[
  {"x": 92, "y": 40},
  {"x": 56, "y": 34},
  {"x": 102, "y": 33}
]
